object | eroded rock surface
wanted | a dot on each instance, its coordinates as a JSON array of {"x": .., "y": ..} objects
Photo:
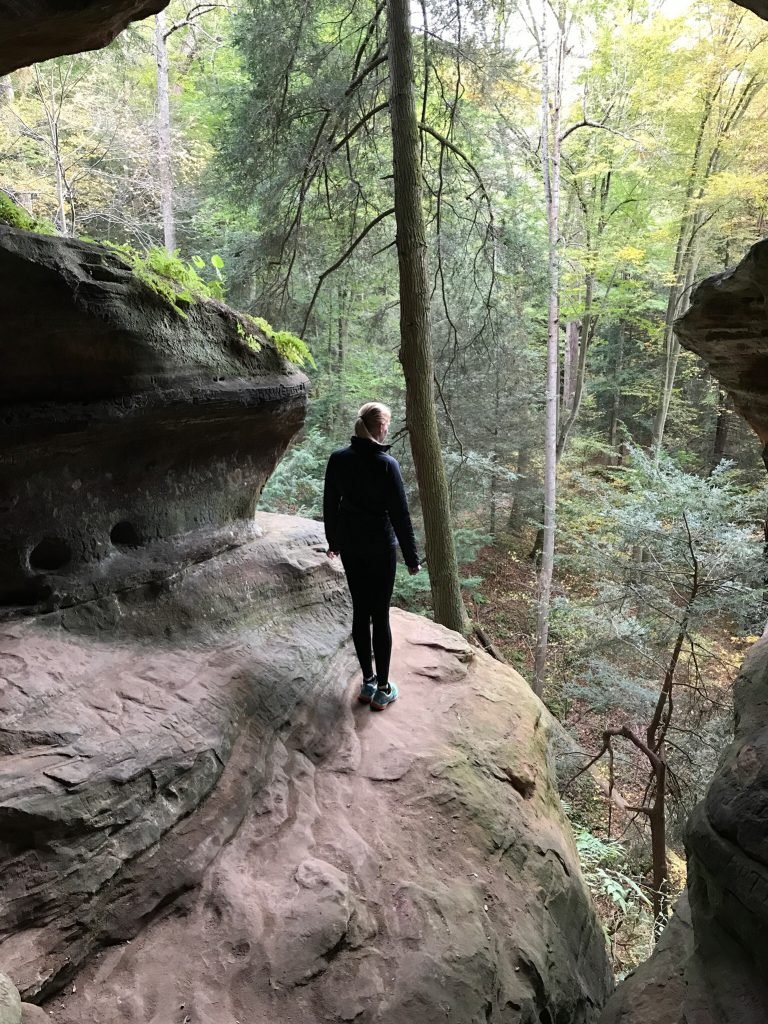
[
  {"x": 272, "y": 849},
  {"x": 132, "y": 438},
  {"x": 35, "y": 30}
]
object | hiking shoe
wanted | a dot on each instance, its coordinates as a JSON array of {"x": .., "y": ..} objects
[
  {"x": 383, "y": 698},
  {"x": 367, "y": 690}
]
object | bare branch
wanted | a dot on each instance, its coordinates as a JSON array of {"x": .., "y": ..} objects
[
  {"x": 341, "y": 260},
  {"x": 196, "y": 12}
]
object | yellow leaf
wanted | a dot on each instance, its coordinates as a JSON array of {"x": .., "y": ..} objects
[{"x": 630, "y": 254}]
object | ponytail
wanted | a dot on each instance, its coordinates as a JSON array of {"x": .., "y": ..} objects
[{"x": 369, "y": 416}]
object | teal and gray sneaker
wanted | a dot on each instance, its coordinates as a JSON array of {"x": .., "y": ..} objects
[
  {"x": 383, "y": 698},
  {"x": 368, "y": 689}
]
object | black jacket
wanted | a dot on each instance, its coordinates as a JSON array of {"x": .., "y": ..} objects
[{"x": 364, "y": 504}]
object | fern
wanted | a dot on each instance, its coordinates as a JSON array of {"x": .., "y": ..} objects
[
  {"x": 177, "y": 282},
  {"x": 290, "y": 347}
]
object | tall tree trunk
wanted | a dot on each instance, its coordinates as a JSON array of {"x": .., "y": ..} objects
[
  {"x": 164, "y": 150},
  {"x": 618, "y": 369},
  {"x": 340, "y": 413},
  {"x": 570, "y": 364},
  {"x": 658, "y": 822},
  {"x": 520, "y": 511},
  {"x": 495, "y": 451},
  {"x": 581, "y": 342},
  {"x": 724, "y": 412},
  {"x": 550, "y": 164},
  {"x": 61, "y": 214},
  {"x": 415, "y": 343}
]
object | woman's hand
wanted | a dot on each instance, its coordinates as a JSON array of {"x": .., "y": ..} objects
[
  {"x": 332, "y": 554},
  {"x": 413, "y": 569}
]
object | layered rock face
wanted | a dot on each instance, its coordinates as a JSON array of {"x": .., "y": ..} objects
[
  {"x": 132, "y": 438},
  {"x": 34, "y": 30},
  {"x": 712, "y": 968}
]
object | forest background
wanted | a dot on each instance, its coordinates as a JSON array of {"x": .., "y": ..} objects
[{"x": 583, "y": 165}]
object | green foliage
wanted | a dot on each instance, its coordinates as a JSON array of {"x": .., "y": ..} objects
[
  {"x": 413, "y": 592},
  {"x": 288, "y": 345},
  {"x": 177, "y": 282},
  {"x": 247, "y": 337},
  {"x": 623, "y": 906},
  {"x": 657, "y": 559},
  {"x": 603, "y": 862},
  {"x": 296, "y": 486},
  {"x": 16, "y": 216}
]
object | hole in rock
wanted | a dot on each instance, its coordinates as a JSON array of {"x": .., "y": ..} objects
[
  {"x": 50, "y": 554},
  {"x": 125, "y": 535}
]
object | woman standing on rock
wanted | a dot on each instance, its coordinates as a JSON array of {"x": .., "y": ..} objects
[{"x": 365, "y": 509}]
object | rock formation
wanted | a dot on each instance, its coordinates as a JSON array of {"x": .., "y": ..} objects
[
  {"x": 38, "y": 29},
  {"x": 712, "y": 967},
  {"x": 727, "y": 326},
  {"x": 210, "y": 829},
  {"x": 197, "y": 822},
  {"x": 133, "y": 437}
]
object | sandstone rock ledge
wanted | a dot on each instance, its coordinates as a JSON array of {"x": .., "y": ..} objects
[
  {"x": 206, "y": 827},
  {"x": 38, "y": 29}
]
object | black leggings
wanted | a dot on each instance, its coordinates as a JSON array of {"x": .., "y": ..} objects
[{"x": 371, "y": 579}]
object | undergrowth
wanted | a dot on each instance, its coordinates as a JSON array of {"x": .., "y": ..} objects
[{"x": 624, "y": 908}]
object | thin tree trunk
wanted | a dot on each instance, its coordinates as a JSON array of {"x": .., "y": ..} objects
[
  {"x": 61, "y": 213},
  {"x": 570, "y": 364},
  {"x": 341, "y": 350},
  {"x": 518, "y": 514},
  {"x": 658, "y": 822},
  {"x": 618, "y": 369},
  {"x": 583, "y": 340},
  {"x": 415, "y": 343},
  {"x": 724, "y": 412},
  {"x": 494, "y": 453},
  {"x": 164, "y": 149},
  {"x": 550, "y": 163}
]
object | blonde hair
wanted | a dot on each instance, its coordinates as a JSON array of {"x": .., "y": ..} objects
[{"x": 369, "y": 416}]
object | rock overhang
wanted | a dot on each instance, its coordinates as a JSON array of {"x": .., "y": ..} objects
[
  {"x": 132, "y": 435},
  {"x": 38, "y": 29},
  {"x": 727, "y": 326}
]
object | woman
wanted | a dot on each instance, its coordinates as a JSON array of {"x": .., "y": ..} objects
[{"x": 365, "y": 509}]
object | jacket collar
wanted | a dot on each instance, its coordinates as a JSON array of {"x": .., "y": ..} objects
[{"x": 364, "y": 445}]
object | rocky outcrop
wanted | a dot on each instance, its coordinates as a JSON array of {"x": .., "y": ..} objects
[
  {"x": 205, "y": 824},
  {"x": 727, "y": 325},
  {"x": 133, "y": 437},
  {"x": 38, "y": 29},
  {"x": 197, "y": 820},
  {"x": 712, "y": 964}
]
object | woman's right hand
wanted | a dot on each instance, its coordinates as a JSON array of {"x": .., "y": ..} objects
[{"x": 413, "y": 569}]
